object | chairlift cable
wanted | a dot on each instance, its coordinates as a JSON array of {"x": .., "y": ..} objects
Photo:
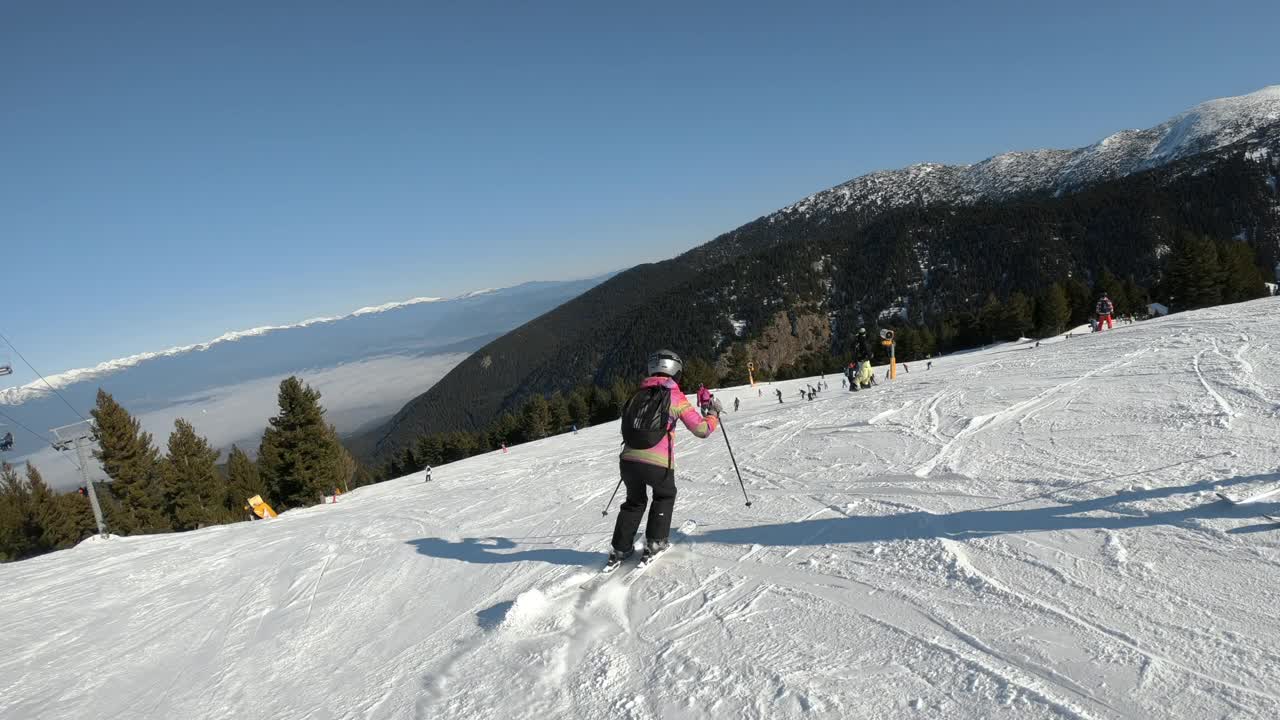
[
  {"x": 42, "y": 377},
  {"x": 40, "y": 437}
]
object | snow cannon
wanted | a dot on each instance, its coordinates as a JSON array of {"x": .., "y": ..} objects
[
  {"x": 261, "y": 508},
  {"x": 886, "y": 339}
]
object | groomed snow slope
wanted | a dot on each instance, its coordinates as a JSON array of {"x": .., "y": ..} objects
[{"x": 1021, "y": 532}]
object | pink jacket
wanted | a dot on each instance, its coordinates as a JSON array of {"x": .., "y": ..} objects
[
  {"x": 704, "y": 397},
  {"x": 681, "y": 409}
]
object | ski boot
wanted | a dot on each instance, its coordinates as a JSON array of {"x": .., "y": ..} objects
[
  {"x": 653, "y": 548},
  {"x": 616, "y": 558}
]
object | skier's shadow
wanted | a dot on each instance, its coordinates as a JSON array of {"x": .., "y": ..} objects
[
  {"x": 983, "y": 522},
  {"x": 495, "y": 550}
]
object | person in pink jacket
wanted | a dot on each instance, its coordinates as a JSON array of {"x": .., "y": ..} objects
[
  {"x": 704, "y": 399},
  {"x": 654, "y": 466}
]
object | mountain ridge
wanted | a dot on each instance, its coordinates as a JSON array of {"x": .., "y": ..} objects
[
  {"x": 18, "y": 394},
  {"x": 732, "y": 282}
]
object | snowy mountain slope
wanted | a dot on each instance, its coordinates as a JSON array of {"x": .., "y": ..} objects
[
  {"x": 1208, "y": 126},
  {"x": 1019, "y": 532}
]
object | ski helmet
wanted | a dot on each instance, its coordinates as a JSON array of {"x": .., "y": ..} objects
[
  {"x": 665, "y": 362},
  {"x": 862, "y": 331}
]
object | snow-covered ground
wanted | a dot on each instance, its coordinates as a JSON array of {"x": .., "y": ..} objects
[{"x": 1020, "y": 532}]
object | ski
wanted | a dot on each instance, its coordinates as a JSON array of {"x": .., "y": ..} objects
[
  {"x": 1259, "y": 497},
  {"x": 609, "y": 568},
  {"x": 687, "y": 529},
  {"x": 1272, "y": 518}
]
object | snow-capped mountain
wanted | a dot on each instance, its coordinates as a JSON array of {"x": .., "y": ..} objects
[
  {"x": 924, "y": 243},
  {"x": 1205, "y": 127},
  {"x": 366, "y": 363}
]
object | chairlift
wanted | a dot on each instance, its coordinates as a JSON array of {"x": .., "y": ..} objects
[{"x": 6, "y": 442}]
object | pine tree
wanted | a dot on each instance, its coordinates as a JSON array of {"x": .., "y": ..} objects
[
  {"x": 696, "y": 372},
  {"x": 299, "y": 459},
  {"x": 536, "y": 418},
  {"x": 431, "y": 449},
  {"x": 133, "y": 464},
  {"x": 1080, "y": 299},
  {"x": 15, "y": 542},
  {"x": 579, "y": 409},
  {"x": 243, "y": 482},
  {"x": 559, "y": 413},
  {"x": 620, "y": 391},
  {"x": 42, "y": 511},
  {"x": 65, "y": 518},
  {"x": 1053, "y": 310},
  {"x": 736, "y": 366},
  {"x": 347, "y": 465},
  {"x": 409, "y": 463},
  {"x": 1241, "y": 277},
  {"x": 199, "y": 493},
  {"x": 1016, "y": 318},
  {"x": 990, "y": 318},
  {"x": 1194, "y": 275}
]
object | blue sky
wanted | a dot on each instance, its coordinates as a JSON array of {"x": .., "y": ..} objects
[{"x": 169, "y": 173}]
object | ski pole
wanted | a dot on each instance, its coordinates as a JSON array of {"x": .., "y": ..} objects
[
  {"x": 735, "y": 464},
  {"x": 605, "y": 511}
]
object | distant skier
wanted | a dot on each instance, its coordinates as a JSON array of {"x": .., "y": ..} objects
[
  {"x": 704, "y": 399},
  {"x": 862, "y": 359},
  {"x": 844, "y": 383},
  {"x": 504, "y": 448},
  {"x": 928, "y": 365},
  {"x": 1104, "y": 310},
  {"x": 735, "y": 404},
  {"x": 658, "y": 403},
  {"x": 759, "y": 392},
  {"x": 428, "y": 469},
  {"x": 779, "y": 391},
  {"x": 575, "y": 428}
]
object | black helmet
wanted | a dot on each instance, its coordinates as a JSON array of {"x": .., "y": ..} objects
[{"x": 665, "y": 362}]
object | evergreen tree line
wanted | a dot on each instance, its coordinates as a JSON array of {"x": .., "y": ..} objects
[{"x": 300, "y": 460}]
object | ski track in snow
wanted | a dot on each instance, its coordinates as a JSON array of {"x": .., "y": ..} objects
[{"x": 1018, "y": 532}]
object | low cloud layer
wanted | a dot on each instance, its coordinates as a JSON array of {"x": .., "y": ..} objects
[{"x": 355, "y": 394}]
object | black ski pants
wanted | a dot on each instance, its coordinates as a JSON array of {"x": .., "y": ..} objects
[{"x": 638, "y": 476}]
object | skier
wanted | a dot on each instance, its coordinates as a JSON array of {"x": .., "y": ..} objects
[
  {"x": 779, "y": 391},
  {"x": 660, "y": 397},
  {"x": 735, "y": 404},
  {"x": 759, "y": 392},
  {"x": 843, "y": 383},
  {"x": 428, "y": 468},
  {"x": 504, "y": 448},
  {"x": 1104, "y": 309},
  {"x": 928, "y": 365},
  {"x": 575, "y": 428},
  {"x": 862, "y": 358},
  {"x": 704, "y": 399}
]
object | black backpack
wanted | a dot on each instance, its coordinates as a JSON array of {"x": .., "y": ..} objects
[{"x": 646, "y": 417}]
